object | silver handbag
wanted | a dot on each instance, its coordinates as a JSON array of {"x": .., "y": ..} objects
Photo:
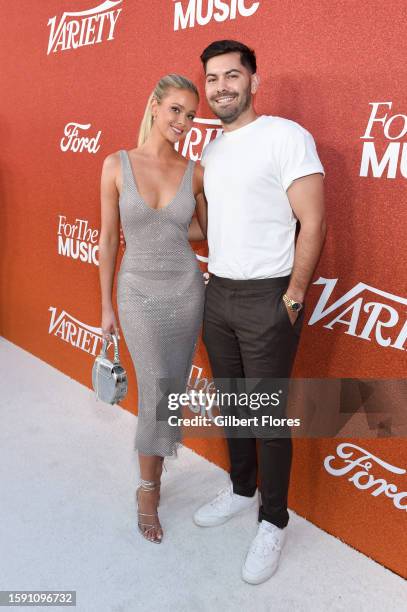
[{"x": 109, "y": 378}]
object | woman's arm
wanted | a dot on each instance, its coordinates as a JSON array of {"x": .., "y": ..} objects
[
  {"x": 198, "y": 227},
  {"x": 109, "y": 238}
]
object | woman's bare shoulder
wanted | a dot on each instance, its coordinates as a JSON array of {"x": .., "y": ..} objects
[
  {"x": 111, "y": 166},
  {"x": 112, "y": 159},
  {"x": 198, "y": 169}
]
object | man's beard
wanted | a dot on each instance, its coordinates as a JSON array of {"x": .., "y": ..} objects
[{"x": 229, "y": 115}]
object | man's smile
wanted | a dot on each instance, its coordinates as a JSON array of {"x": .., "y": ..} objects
[{"x": 225, "y": 99}]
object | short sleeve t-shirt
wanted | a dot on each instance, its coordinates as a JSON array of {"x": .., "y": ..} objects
[{"x": 251, "y": 225}]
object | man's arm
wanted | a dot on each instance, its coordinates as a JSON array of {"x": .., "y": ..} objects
[{"x": 306, "y": 196}]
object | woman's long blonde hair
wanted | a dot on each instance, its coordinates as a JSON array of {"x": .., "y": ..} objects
[{"x": 160, "y": 91}]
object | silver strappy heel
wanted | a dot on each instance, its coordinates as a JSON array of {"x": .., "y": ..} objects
[{"x": 146, "y": 528}]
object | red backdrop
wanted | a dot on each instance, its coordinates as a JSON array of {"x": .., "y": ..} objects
[{"x": 75, "y": 79}]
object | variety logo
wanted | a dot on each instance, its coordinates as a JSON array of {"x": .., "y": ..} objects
[
  {"x": 355, "y": 459},
  {"x": 84, "y": 337},
  {"x": 77, "y": 240},
  {"x": 73, "y": 141},
  {"x": 379, "y": 161},
  {"x": 188, "y": 13},
  {"x": 199, "y": 136},
  {"x": 360, "y": 316},
  {"x": 82, "y": 28}
]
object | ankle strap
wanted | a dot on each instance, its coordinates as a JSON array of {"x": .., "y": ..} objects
[{"x": 147, "y": 485}]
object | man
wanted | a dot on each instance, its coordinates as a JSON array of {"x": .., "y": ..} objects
[{"x": 261, "y": 175}]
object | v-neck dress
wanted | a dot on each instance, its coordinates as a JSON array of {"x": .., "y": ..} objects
[{"x": 160, "y": 297}]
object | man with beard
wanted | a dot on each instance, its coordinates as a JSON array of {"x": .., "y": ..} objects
[{"x": 261, "y": 176}]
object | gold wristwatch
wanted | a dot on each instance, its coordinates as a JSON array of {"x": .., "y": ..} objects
[{"x": 292, "y": 304}]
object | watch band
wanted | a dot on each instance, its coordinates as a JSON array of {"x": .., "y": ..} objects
[{"x": 292, "y": 304}]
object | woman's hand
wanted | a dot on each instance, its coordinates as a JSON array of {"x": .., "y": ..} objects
[{"x": 109, "y": 323}]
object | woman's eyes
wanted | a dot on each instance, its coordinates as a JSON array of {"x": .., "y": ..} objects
[{"x": 175, "y": 108}]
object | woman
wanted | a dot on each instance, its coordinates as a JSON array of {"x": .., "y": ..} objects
[{"x": 154, "y": 191}]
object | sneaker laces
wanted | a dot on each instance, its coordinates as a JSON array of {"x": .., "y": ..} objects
[
  {"x": 222, "y": 499},
  {"x": 264, "y": 542}
]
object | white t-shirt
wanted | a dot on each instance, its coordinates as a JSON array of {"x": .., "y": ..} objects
[{"x": 251, "y": 225}]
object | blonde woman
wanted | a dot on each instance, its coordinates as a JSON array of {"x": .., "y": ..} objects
[{"x": 153, "y": 191}]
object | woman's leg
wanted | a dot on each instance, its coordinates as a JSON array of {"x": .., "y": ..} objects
[
  {"x": 159, "y": 469},
  {"x": 148, "y": 497}
]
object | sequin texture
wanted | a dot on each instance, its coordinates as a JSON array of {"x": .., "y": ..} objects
[{"x": 160, "y": 296}]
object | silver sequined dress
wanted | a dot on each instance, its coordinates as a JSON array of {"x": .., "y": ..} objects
[{"x": 160, "y": 295}]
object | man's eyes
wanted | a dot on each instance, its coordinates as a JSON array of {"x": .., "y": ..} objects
[{"x": 229, "y": 76}]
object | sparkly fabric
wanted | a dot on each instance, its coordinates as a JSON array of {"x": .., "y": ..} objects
[{"x": 160, "y": 294}]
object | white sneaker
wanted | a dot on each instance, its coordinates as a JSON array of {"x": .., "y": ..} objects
[
  {"x": 225, "y": 505},
  {"x": 264, "y": 553}
]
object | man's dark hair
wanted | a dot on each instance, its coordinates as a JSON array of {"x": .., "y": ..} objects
[{"x": 220, "y": 47}]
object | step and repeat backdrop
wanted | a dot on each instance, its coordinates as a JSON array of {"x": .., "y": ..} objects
[{"x": 76, "y": 75}]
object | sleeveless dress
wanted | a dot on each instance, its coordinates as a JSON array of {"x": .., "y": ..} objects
[{"x": 160, "y": 297}]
